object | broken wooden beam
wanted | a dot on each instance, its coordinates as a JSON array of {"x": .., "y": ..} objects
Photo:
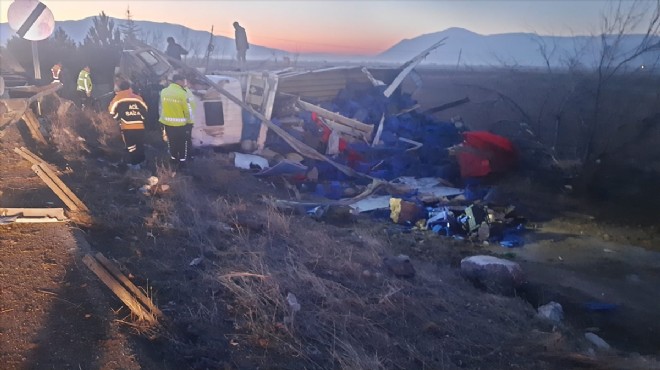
[
  {"x": 33, "y": 125},
  {"x": 56, "y": 213},
  {"x": 59, "y": 188},
  {"x": 46, "y": 90},
  {"x": 124, "y": 295},
  {"x": 26, "y": 220},
  {"x": 336, "y": 117},
  {"x": 114, "y": 270},
  {"x": 33, "y": 158}
]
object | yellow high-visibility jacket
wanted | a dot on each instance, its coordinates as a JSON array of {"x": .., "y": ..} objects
[
  {"x": 191, "y": 104},
  {"x": 84, "y": 82},
  {"x": 174, "y": 108}
]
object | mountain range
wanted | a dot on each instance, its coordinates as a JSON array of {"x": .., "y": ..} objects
[{"x": 461, "y": 47}]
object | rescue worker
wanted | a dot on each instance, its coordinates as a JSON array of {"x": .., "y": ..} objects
[
  {"x": 56, "y": 71},
  {"x": 175, "y": 117},
  {"x": 241, "y": 42},
  {"x": 84, "y": 87},
  {"x": 130, "y": 110},
  {"x": 174, "y": 50}
]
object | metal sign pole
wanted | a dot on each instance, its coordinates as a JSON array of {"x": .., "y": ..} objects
[{"x": 35, "y": 61}]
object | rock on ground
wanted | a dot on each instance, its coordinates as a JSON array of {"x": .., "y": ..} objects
[
  {"x": 495, "y": 275},
  {"x": 551, "y": 311}
]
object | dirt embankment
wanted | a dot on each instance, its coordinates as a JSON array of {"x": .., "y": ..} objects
[{"x": 268, "y": 289}]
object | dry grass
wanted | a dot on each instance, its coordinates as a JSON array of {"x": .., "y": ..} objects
[{"x": 352, "y": 315}]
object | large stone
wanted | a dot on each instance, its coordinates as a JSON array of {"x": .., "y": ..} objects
[
  {"x": 400, "y": 266},
  {"x": 495, "y": 275},
  {"x": 597, "y": 341},
  {"x": 551, "y": 311}
]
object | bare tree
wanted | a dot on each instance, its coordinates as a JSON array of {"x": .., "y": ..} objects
[
  {"x": 614, "y": 56},
  {"x": 546, "y": 51}
]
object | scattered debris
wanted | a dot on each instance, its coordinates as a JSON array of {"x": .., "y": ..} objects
[
  {"x": 152, "y": 187},
  {"x": 250, "y": 161},
  {"x": 196, "y": 261},
  {"x": 293, "y": 302}
]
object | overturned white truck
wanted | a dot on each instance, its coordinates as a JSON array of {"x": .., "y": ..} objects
[{"x": 219, "y": 115}]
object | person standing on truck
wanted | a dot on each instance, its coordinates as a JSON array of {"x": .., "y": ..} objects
[
  {"x": 175, "y": 117},
  {"x": 130, "y": 110},
  {"x": 84, "y": 87},
  {"x": 241, "y": 42},
  {"x": 174, "y": 50}
]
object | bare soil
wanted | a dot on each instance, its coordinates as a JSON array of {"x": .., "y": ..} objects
[{"x": 230, "y": 311}]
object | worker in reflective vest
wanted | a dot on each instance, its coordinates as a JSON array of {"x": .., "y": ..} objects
[
  {"x": 130, "y": 110},
  {"x": 84, "y": 87},
  {"x": 175, "y": 117},
  {"x": 56, "y": 70}
]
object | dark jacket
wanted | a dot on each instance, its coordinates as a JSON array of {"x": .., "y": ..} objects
[
  {"x": 175, "y": 51},
  {"x": 129, "y": 109},
  {"x": 241, "y": 38}
]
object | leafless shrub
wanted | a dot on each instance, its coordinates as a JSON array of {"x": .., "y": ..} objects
[{"x": 64, "y": 136}]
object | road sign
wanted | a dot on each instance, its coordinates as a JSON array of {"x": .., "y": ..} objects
[{"x": 31, "y": 19}]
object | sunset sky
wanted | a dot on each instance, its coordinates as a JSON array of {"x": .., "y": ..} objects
[{"x": 361, "y": 27}]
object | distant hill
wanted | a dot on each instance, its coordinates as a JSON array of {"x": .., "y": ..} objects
[
  {"x": 523, "y": 49},
  {"x": 462, "y": 46},
  {"x": 155, "y": 34}
]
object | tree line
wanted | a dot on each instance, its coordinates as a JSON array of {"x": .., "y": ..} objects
[{"x": 100, "y": 49}]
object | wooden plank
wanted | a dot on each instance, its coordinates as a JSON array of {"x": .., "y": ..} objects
[
  {"x": 33, "y": 125},
  {"x": 57, "y": 213},
  {"x": 131, "y": 302},
  {"x": 337, "y": 117},
  {"x": 56, "y": 189},
  {"x": 26, "y": 156},
  {"x": 114, "y": 270},
  {"x": 79, "y": 203},
  {"x": 34, "y": 159},
  {"x": 23, "y": 220},
  {"x": 46, "y": 90},
  {"x": 31, "y": 155}
]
